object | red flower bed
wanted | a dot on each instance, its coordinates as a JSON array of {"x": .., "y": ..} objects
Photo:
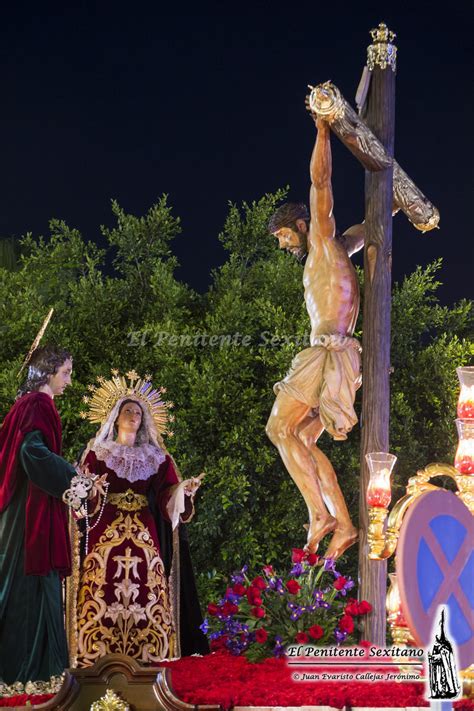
[
  {"x": 221, "y": 678},
  {"x": 23, "y": 699}
]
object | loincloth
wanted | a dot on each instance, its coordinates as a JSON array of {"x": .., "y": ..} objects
[{"x": 325, "y": 377}]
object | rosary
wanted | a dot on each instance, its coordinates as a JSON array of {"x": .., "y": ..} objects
[{"x": 76, "y": 497}]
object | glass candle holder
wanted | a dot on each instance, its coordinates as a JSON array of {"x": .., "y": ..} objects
[
  {"x": 380, "y": 468},
  {"x": 466, "y": 395},
  {"x": 394, "y": 603},
  {"x": 464, "y": 459}
]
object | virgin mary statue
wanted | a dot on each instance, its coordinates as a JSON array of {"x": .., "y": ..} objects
[{"x": 135, "y": 587}]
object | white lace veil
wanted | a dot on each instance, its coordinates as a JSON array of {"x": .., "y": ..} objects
[{"x": 132, "y": 463}]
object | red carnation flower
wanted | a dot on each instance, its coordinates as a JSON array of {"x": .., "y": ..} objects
[
  {"x": 352, "y": 608},
  {"x": 251, "y": 593},
  {"x": 346, "y": 624},
  {"x": 228, "y": 608},
  {"x": 364, "y": 607},
  {"x": 293, "y": 586},
  {"x": 261, "y": 635},
  {"x": 238, "y": 589},
  {"x": 253, "y": 596},
  {"x": 301, "y": 638},
  {"x": 297, "y": 555},
  {"x": 312, "y": 558},
  {"x": 316, "y": 632},
  {"x": 258, "y": 612},
  {"x": 340, "y": 582},
  {"x": 218, "y": 643},
  {"x": 259, "y": 583},
  {"x": 213, "y": 609}
]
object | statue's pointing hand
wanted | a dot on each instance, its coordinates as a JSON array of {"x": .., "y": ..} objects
[{"x": 193, "y": 484}]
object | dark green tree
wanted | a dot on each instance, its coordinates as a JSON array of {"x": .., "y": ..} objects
[{"x": 219, "y": 355}]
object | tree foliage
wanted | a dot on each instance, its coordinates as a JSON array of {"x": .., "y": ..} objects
[{"x": 219, "y": 355}]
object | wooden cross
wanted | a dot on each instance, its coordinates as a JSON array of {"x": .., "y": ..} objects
[{"x": 370, "y": 137}]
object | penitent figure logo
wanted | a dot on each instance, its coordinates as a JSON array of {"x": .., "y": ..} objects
[{"x": 443, "y": 679}]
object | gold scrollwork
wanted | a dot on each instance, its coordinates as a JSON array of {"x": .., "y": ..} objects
[
  {"x": 110, "y": 702},
  {"x": 128, "y": 500},
  {"x": 51, "y": 686},
  {"x": 382, "y": 53},
  {"x": 119, "y": 609},
  {"x": 382, "y": 545}
]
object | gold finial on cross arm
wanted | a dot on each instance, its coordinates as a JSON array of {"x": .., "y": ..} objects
[
  {"x": 382, "y": 53},
  {"x": 325, "y": 100}
]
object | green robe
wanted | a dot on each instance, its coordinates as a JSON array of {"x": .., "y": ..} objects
[{"x": 32, "y": 636}]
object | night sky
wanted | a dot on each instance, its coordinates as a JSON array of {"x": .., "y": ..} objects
[{"x": 107, "y": 100}]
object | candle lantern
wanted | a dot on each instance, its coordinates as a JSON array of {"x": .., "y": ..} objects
[
  {"x": 394, "y": 603},
  {"x": 464, "y": 459},
  {"x": 378, "y": 498},
  {"x": 398, "y": 626},
  {"x": 466, "y": 395},
  {"x": 380, "y": 469}
]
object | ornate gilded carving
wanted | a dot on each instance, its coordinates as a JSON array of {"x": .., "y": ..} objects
[
  {"x": 382, "y": 545},
  {"x": 72, "y": 586},
  {"x": 382, "y": 53},
  {"x": 52, "y": 686},
  {"x": 407, "y": 197},
  {"x": 110, "y": 702},
  {"x": 128, "y": 500},
  {"x": 128, "y": 624},
  {"x": 375, "y": 537},
  {"x": 327, "y": 101}
]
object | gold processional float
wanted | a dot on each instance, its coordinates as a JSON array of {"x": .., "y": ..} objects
[{"x": 386, "y": 528}]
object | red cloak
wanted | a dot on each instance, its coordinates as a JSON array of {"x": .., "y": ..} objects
[{"x": 46, "y": 532}]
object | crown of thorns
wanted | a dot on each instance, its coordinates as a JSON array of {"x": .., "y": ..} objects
[{"x": 287, "y": 214}]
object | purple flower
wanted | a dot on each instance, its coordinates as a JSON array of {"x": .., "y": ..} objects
[
  {"x": 236, "y": 646},
  {"x": 347, "y": 585},
  {"x": 234, "y": 626},
  {"x": 238, "y": 576},
  {"x": 297, "y": 570},
  {"x": 277, "y": 585},
  {"x": 216, "y": 635},
  {"x": 278, "y": 650},
  {"x": 297, "y": 610},
  {"x": 340, "y": 636},
  {"x": 205, "y": 626},
  {"x": 319, "y": 600},
  {"x": 232, "y": 597},
  {"x": 329, "y": 564}
]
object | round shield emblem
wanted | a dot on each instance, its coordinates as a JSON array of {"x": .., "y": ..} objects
[{"x": 435, "y": 566}]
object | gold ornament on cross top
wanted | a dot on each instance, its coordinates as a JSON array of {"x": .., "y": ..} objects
[
  {"x": 382, "y": 53},
  {"x": 105, "y": 395}
]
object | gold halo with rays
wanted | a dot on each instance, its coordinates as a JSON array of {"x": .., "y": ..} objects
[{"x": 104, "y": 396}]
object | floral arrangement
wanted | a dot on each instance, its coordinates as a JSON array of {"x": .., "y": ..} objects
[{"x": 259, "y": 617}]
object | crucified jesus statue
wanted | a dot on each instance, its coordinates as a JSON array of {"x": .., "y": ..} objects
[{"x": 319, "y": 391}]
